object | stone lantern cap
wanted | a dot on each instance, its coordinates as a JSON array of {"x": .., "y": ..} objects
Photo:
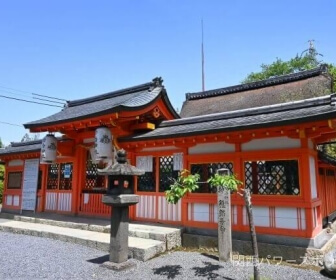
[{"x": 121, "y": 167}]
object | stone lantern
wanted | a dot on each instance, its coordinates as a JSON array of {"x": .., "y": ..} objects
[{"x": 120, "y": 195}]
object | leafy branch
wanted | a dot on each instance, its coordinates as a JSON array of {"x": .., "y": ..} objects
[
  {"x": 181, "y": 186},
  {"x": 187, "y": 183},
  {"x": 230, "y": 182}
]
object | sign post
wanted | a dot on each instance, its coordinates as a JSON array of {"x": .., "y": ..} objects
[
  {"x": 30, "y": 180},
  {"x": 224, "y": 220}
]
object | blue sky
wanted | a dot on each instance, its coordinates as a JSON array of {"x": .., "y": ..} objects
[{"x": 74, "y": 49}]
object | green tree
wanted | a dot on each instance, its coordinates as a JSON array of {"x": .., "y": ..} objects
[{"x": 307, "y": 60}]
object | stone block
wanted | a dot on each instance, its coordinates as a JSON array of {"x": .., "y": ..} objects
[{"x": 329, "y": 263}]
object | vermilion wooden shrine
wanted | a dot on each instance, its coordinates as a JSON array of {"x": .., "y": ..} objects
[{"x": 266, "y": 132}]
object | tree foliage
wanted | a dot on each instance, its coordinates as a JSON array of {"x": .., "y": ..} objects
[
  {"x": 30, "y": 137},
  {"x": 187, "y": 183},
  {"x": 230, "y": 182},
  {"x": 184, "y": 184},
  {"x": 299, "y": 63}
]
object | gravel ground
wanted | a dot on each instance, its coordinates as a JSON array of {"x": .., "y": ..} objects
[{"x": 28, "y": 257}]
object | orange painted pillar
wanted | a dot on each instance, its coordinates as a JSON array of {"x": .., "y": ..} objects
[
  {"x": 44, "y": 168},
  {"x": 306, "y": 186},
  {"x": 77, "y": 178}
]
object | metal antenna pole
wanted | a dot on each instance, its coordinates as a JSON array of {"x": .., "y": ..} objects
[{"x": 203, "y": 85}]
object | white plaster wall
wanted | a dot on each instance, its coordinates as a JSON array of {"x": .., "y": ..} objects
[
  {"x": 9, "y": 200},
  {"x": 15, "y": 162},
  {"x": 286, "y": 218},
  {"x": 271, "y": 143},
  {"x": 261, "y": 216},
  {"x": 16, "y": 200},
  {"x": 201, "y": 212},
  {"x": 313, "y": 187},
  {"x": 211, "y": 148},
  {"x": 303, "y": 218}
]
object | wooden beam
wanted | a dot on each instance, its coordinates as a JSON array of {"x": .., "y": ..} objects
[{"x": 143, "y": 126}]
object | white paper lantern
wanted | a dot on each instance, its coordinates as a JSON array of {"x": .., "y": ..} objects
[
  {"x": 103, "y": 143},
  {"x": 48, "y": 149}
]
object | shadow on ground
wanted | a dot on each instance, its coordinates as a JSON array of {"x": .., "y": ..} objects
[
  {"x": 100, "y": 260},
  {"x": 208, "y": 271},
  {"x": 216, "y": 258},
  {"x": 171, "y": 271},
  {"x": 325, "y": 274}
]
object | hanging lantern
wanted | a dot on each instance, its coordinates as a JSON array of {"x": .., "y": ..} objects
[
  {"x": 103, "y": 143},
  {"x": 48, "y": 149}
]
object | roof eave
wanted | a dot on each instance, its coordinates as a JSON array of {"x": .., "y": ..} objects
[
  {"x": 231, "y": 129},
  {"x": 19, "y": 153},
  {"x": 116, "y": 109}
]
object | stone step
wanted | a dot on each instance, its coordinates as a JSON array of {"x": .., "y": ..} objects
[
  {"x": 171, "y": 236},
  {"x": 139, "y": 248}
]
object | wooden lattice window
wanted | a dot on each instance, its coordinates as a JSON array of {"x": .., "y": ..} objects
[
  {"x": 166, "y": 172},
  {"x": 147, "y": 181},
  {"x": 65, "y": 176},
  {"x": 52, "y": 181},
  {"x": 93, "y": 180},
  {"x": 207, "y": 170},
  {"x": 14, "y": 180},
  {"x": 60, "y": 176},
  {"x": 280, "y": 177}
]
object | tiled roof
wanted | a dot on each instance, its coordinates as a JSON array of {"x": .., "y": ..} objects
[
  {"x": 326, "y": 158},
  {"x": 280, "y": 89},
  {"x": 126, "y": 99},
  {"x": 22, "y": 147},
  {"x": 266, "y": 116}
]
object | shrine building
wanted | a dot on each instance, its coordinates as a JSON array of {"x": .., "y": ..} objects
[{"x": 269, "y": 133}]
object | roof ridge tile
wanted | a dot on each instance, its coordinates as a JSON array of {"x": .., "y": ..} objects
[
  {"x": 293, "y": 105},
  {"x": 259, "y": 84},
  {"x": 107, "y": 95}
]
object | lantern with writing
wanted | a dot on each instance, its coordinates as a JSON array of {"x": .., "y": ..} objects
[
  {"x": 48, "y": 149},
  {"x": 103, "y": 143}
]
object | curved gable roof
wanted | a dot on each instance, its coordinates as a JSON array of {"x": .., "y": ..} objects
[{"x": 128, "y": 99}]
